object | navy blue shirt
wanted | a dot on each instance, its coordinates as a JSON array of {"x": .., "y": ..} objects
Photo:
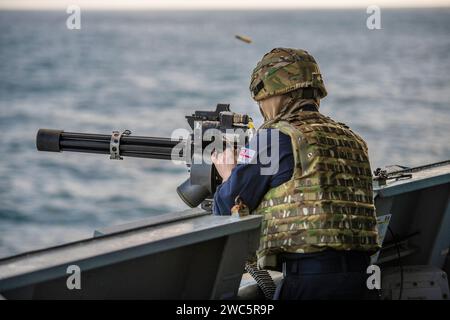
[{"x": 247, "y": 180}]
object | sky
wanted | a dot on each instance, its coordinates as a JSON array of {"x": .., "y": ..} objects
[{"x": 215, "y": 4}]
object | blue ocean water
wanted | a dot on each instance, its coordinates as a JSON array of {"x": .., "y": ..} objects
[{"x": 144, "y": 71}]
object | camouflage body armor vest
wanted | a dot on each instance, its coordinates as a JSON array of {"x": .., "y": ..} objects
[{"x": 328, "y": 203}]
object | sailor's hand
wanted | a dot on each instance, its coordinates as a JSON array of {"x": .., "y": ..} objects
[{"x": 224, "y": 162}]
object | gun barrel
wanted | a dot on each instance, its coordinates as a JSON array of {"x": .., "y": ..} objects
[{"x": 130, "y": 146}]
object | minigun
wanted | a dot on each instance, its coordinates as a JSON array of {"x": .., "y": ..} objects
[{"x": 199, "y": 188}]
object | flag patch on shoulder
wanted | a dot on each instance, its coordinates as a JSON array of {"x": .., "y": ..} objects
[{"x": 246, "y": 156}]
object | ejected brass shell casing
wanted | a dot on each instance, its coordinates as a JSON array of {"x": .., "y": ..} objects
[{"x": 243, "y": 38}]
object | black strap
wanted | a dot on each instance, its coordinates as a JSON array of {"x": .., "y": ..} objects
[
  {"x": 309, "y": 107},
  {"x": 258, "y": 88},
  {"x": 325, "y": 262},
  {"x": 309, "y": 93}
]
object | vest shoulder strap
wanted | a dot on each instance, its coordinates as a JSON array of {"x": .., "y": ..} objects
[{"x": 296, "y": 136}]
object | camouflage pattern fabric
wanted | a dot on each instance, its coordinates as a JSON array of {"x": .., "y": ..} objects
[
  {"x": 284, "y": 70},
  {"x": 328, "y": 203}
]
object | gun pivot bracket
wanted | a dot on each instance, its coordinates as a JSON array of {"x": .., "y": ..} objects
[{"x": 114, "y": 145}]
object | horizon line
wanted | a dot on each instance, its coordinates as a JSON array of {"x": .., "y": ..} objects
[{"x": 93, "y": 8}]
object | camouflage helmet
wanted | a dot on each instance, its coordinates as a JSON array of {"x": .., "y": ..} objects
[{"x": 284, "y": 70}]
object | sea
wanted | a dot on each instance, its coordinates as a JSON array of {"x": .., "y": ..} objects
[{"x": 145, "y": 70}]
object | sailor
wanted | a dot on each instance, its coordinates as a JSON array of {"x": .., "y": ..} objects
[{"x": 319, "y": 225}]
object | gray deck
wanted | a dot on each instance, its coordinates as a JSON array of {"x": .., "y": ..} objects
[
  {"x": 203, "y": 244},
  {"x": 420, "y": 208}
]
